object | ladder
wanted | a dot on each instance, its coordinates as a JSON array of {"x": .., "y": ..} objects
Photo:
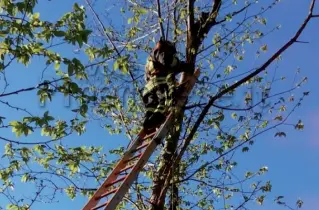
[{"x": 112, "y": 191}]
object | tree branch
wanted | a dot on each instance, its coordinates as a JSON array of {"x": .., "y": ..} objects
[
  {"x": 190, "y": 22},
  {"x": 240, "y": 82},
  {"x": 112, "y": 43},
  {"x": 211, "y": 20},
  {"x": 234, "y": 13},
  {"x": 160, "y": 18},
  {"x": 30, "y": 88},
  {"x": 235, "y": 147},
  {"x": 103, "y": 27}
]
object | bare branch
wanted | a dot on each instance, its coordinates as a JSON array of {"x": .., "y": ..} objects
[
  {"x": 237, "y": 84},
  {"x": 30, "y": 88},
  {"x": 302, "y": 42},
  {"x": 15, "y": 107},
  {"x": 237, "y": 146},
  {"x": 211, "y": 20},
  {"x": 234, "y": 13},
  {"x": 160, "y": 18},
  {"x": 190, "y": 22},
  {"x": 102, "y": 26},
  {"x": 112, "y": 43},
  {"x": 175, "y": 21}
]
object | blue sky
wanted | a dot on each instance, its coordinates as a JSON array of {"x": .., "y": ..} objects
[{"x": 292, "y": 161}]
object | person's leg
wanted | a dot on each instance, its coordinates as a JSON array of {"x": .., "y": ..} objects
[
  {"x": 150, "y": 101},
  {"x": 161, "y": 109}
]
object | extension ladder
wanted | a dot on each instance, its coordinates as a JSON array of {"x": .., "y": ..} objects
[{"x": 132, "y": 162}]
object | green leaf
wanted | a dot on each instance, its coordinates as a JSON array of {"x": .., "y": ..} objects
[
  {"x": 211, "y": 66},
  {"x": 8, "y": 151},
  {"x": 245, "y": 149},
  {"x": 229, "y": 69},
  {"x": 142, "y": 11},
  {"x": 234, "y": 115},
  {"x": 299, "y": 203},
  {"x": 12, "y": 207},
  {"x": 70, "y": 69},
  {"x": 83, "y": 110},
  {"x": 264, "y": 48},
  {"x": 240, "y": 57},
  {"x": 116, "y": 65},
  {"x": 280, "y": 134},
  {"x": 74, "y": 167},
  {"x": 248, "y": 174},
  {"x": 20, "y": 128},
  {"x": 279, "y": 118},
  {"x": 25, "y": 178},
  {"x": 39, "y": 148},
  {"x": 264, "y": 124},
  {"x": 70, "y": 191},
  {"x": 58, "y": 33},
  {"x": 299, "y": 126},
  {"x": 57, "y": 66},
  {"x": 229, "y": 17},
  {"x": 260, "y": 199},
  {"x": 36, "y": 15}
]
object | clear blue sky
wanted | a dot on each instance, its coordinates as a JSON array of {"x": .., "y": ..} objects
[{"x": 292, "y": 161}]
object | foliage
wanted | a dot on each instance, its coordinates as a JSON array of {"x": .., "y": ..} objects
[{"x": 114, "y": 53}]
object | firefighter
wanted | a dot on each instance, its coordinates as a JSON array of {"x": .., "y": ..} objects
[{"x": 158, "y": 96}]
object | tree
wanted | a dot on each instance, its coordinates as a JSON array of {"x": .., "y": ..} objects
[{"x": 200, "y": 153}]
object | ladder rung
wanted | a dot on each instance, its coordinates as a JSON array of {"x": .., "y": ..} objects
[
  {"x": 107, "y": 193},
  {"x": 99, "y": 206},
  {"x": 133, "y": 158},
  {"x": 149, "y": 135},
  {"x": 114, "y": 182},
  {"x": 126, "y": 168},
  {"x": 141, "y": 147}
]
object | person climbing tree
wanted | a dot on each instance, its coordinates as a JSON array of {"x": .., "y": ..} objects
[{"x": 160, "y": 90}]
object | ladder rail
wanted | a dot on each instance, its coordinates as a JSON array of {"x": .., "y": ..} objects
[
  {"x": 126, "y": 184},
  {"x": 114, "y": 174}
]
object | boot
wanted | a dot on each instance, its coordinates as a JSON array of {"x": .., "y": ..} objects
[
  {"x": 158, "y": 119},
  {"x": 147, "y": 124}
]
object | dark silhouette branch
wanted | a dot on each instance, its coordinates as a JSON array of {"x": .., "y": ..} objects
[
  {"x": 160, "y": 18},
  {"x": 248, "y": 77},
  {"x": 234, "y": 13},
  {"x": 112, "y": 43},
  {"x": 30, "y": 88},
  {"x": 235, "y": 147}
]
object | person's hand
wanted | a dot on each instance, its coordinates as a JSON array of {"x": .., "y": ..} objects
[{"x": 187, "y": 86}]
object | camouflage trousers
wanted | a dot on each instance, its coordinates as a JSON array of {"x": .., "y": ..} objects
[{"x": 158, "y": 103}]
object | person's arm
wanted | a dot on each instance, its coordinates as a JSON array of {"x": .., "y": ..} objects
[
  {"x": 147, "y": 70},
  {"x": 180, "y": 66}
]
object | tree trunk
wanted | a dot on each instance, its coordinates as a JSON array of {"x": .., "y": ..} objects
[
  {"x": 165, "y": 166},
  {"x": 196, "y": 31}
]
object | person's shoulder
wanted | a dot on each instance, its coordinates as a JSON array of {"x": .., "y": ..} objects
[
  {"x": 175, "y": 62},
  {"x": 149, "y": 63}
]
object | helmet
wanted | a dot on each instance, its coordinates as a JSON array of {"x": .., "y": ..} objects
[
  {"x": 165, "y": 46},
  {"x": 163, "y": 52}
]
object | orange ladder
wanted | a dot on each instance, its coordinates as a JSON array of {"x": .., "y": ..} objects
[
  {"x": 134, "y": 159},
  {"x": 117, "y": 184}
]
